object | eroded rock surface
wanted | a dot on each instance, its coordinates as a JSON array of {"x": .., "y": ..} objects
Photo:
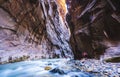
[
  {"x": 94, "y": 26},
  {"x": 33, "y": 28}
]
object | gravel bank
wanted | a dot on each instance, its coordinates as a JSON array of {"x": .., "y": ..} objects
[{"x": 100, "y": 68}]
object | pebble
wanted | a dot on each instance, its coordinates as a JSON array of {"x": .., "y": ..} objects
[
  {"x": 90, "y": 69},
  {"x": 97, "y": 66},
  {"x": 118, "y": 70}
]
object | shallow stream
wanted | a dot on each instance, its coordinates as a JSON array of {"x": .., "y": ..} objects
[{"x": 58, "y": 68}]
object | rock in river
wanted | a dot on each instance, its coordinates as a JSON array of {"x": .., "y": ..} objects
[
  {"x": 57, "y": 70},
  {"x": 48, "y": 68}
]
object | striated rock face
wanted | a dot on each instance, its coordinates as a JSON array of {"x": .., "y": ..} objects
[
  {"x": 33, "y": 28},
  {"x": 95, "y": 27}
]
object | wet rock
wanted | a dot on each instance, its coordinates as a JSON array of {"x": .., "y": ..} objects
[
  {"x": 107, "y": 71},
  {"x": 114, "y": 59},
  {"x": 49, "y": 63},
  {"x": 48, "y": 68},
  {"x": 90, "y": 69},
  {"x": 97, "y": 67},
  {"x": 75, "y": 76},
  {"x": 57, "y": 70},
  {"x": 118, "y": 70}
]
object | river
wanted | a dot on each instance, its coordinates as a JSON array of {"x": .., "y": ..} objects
[{"x": 59, "y": 68}]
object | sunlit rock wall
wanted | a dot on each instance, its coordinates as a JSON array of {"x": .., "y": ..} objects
[{"x": 33, "y": 29}]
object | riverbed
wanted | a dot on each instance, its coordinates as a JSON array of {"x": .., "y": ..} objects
[{"x": 58, "y": 68}]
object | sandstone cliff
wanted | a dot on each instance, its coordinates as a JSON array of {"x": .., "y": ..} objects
[
  {"x": 95, "y": 27},
  {"x": 33, "y": 29}
]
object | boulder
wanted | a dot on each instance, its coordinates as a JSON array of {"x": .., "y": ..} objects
[{"x": 57, "y": 70}]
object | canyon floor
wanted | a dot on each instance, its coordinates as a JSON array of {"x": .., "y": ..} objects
[{"x": 60, "y": 68}]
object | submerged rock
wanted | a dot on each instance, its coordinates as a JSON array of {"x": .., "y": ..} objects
[
  {"x": 48, "y": 68},
  {"x": 57, "y": 70}
]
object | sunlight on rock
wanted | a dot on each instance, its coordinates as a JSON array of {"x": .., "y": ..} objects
[
  {"x": 48, "y": 68},
  {"x": 62, "y": 7}
]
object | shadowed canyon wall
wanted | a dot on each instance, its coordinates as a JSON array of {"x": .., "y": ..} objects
[
  {"x": 33, "y": 29},
  {"x": 95, "y": 27}
]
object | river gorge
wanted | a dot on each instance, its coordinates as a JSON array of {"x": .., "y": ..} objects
[{"x": 59, "y": 38}]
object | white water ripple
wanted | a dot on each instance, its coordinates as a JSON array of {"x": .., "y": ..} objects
[{"x": 37, "y": 69}]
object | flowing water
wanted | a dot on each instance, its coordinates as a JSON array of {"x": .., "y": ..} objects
[{"x": 37, "y": 69}]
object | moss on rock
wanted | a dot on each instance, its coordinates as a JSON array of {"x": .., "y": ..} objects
[{"x": 114, "y": 59}]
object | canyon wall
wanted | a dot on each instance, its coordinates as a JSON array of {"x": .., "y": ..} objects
[
  {"x": 33, "y": 29},
  {"x": 95, "y": 27}
]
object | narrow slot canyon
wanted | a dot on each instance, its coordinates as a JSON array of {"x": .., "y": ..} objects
[{"x": 59, "y": 38}]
